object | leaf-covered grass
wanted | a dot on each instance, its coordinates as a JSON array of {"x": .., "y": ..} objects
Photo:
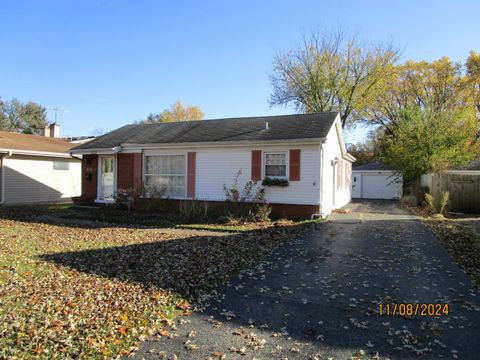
[
  {"x": 239, "y": 226},
  {"x": 81, "y": 291},
  {"x": 215, "y": 227},
  {"x": 462, "y": 242},
  {"x": 460, "y": 235}
]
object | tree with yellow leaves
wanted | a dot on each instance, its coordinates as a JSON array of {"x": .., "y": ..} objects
[
  {"x": 473, "y": 78},
  {"x": 177, "y": 112},
  {"x": 429, "y": 116}
]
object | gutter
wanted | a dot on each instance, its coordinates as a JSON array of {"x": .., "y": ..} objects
[
  {"x": 35, "y": 153},
  {"x": 139, "y": 147},
  {"x": 75, "y": 157}
]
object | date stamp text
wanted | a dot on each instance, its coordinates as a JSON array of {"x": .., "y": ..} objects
[{"x": 411, "y": 309}]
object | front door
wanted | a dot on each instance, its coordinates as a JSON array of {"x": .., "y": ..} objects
[{"x": 107, "y": 178}]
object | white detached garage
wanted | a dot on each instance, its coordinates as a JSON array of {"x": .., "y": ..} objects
[{"x": 376, "y": 181}]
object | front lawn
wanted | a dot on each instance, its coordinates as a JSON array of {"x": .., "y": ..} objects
[{"x": 89, "y": 291}]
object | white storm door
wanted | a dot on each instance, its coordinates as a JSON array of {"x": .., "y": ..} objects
[{"x": 107, "y": 178}]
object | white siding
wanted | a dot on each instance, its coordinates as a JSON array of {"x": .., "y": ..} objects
[
  {"x": 29, "y": 179},
  {"x": 333, "y": 197},
  {"x": 218, "y": 166}
]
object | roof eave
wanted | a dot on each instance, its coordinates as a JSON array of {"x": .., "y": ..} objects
[
  {"x": 35, "y": 153},
  {"x": 349, "y": 157},
  {"x": 139, "y": 147}
]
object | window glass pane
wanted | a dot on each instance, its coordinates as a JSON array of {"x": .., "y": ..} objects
[
  {"x": 107, "y": 163},
  {"x": 165, "y": 185},
  {"x": 275, "y": 170},
  {"x": 276, "y": 164},
  {"x": 166, "y": 165},
  {"x": 61, "y": 165},
  {"x": 165, "y": 175},
  {"x": 276, "y": 159}
]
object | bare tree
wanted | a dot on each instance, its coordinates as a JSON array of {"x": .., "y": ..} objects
[{"x": 330, "y": 72}]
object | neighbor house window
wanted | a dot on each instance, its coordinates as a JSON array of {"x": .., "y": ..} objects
[
  {"x": 276, "y": 164},
  {"x": 61, "y": 165},
  {"x": 165, "y": 175}
]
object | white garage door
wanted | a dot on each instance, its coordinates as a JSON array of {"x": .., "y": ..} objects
[{"x": 376, "y": 185}]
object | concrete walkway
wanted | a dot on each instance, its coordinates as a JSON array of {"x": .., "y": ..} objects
[{"x": 318, "y": 297}]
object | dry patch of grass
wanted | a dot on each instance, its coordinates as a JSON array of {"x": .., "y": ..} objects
[{"x": 72, "y": 291}]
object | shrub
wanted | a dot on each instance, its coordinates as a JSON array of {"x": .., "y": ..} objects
[
  {"x": 430, "y": 203},
  {"x": 260, "y": 213},
  {"x": 249, "y": 203},
  {"x": 444, "y": 201},
  {"x": 126, "y": 198},
  {"x": 251, "y": 192},
  {"x": 195, "y": 210}
]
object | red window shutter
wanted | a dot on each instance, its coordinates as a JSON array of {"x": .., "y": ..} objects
[
  {"x": 294, "y": 165},
  {"x": 191, "y": 170},
  {"x": 256, "y": 165}
]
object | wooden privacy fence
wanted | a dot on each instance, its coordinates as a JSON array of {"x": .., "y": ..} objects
[{"x": 463, "y": 186}]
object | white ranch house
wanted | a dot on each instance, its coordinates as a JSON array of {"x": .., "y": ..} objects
[{"x": 193, "y": 160}]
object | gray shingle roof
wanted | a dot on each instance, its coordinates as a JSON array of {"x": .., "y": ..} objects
[
  {"x": 373, "y": 166},
  {"x": 286, "y": 127}
]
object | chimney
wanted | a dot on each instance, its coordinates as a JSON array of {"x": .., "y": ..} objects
[
  {"x": 52, "y": 130},
  {"x": 55, "y": 130},
  {"x": 46, "y": 131}
]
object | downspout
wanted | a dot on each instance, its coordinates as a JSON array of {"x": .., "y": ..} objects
[
  {"x": 7, "y": 155},
  {"x": 75, "y": 157}
]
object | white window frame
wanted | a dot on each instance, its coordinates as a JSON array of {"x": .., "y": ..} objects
[
  {"x": 185, "y": 175},
  {"x": 287, "y": 164},
  {"x": 99, "y": 178}
]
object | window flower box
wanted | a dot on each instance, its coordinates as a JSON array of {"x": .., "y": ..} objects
[{"x": 275, "y": 182}]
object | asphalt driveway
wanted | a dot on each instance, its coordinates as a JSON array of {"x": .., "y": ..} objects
[{"x": 318, "y": 297}]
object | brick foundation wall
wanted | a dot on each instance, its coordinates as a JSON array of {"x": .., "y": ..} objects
[
  {"x": 297, "y": 212},
  {"x": 289, "y": 211}
]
